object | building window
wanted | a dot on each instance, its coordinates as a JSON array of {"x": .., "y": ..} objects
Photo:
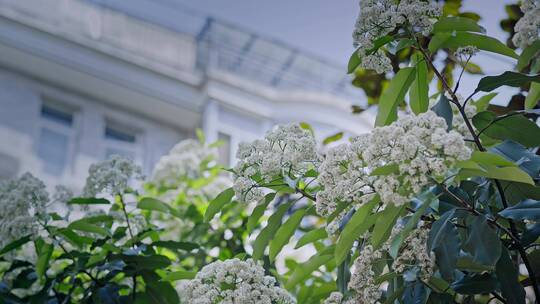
[
  {"x": 224, "y": 149},
  {"x": 121, "y": 140},
  {"x": 56, "y": 138}
]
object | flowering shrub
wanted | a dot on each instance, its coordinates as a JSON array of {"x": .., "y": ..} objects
[{"x": 439, "y": 203}]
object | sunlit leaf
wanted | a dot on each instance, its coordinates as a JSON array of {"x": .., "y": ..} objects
[
  {"x": 285, "y": 232},
  {"x": 217, "y": 203},
  {"x": 393, "y": 95}
]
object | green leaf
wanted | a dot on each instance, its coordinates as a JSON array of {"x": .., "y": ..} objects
[
  {"x": 528, "y": 54},
  {"x": 457, "y": 24},
  {"x": 444, "y": 241},
  {"x": 461, "y": 39},
  {"x": 88, "y": 227},
  {"x": 525, "y": 210},
  {"x": 285, "y": 232},
  {"x": 354, "y": 62},
  {"x": 360, "y": 222},
  {"x": 152, "y": 204},
  {"x": 508, "y": 277},
  {"x": 187, "y": 246},
  {"x": 88, "y": 201},
  {"x": 515, "y": 127},
  {"x": 419, "y": 93},
  {"x": 488, "y": 158},
  {"x": 44, "y": 255},
  {"x": 15, "y": 244},
  {"x": 385, "y": 170},
  {"x": 302, "y": 271},
  {"x": 508, "y": 78},
  {"x": 269, "y": 231},
  {"x": 483, "y": 102},
  {"x": 483, "y": 242},
  {"x": 475, "y": 284},
  {"x": 258, "y": 211},
  {"x": 200, "y": 135},
  {"x": 386, "y": 220},
  {"x": 466, "y": 262},
  {"x": 393, "y": 95},
  {"x": 533, "y": 96},
  {"x": 311, "y": 236},
  {"x": 180, "y": 275},
  {"x": 512, "y": 174},
  {"x": 217, "y": 203},
  {"x": 159, "y": 292},
  {"x": 333, "y": 138}
]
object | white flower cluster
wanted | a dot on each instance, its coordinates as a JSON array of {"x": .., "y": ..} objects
[
  {"x": 380, "y": 17},
  {"x": 286, "y": 150},
  {"x": 466, "y": 52},
  {"x": 415, "y": 256},
  {"x": 363, "y": 277},
  {"x": 111, "y": 176},
  {"x": 336, "y": 297},
  {"x": 183, "y": 161},
  {"x": 22, "y": 202},
  {"x": 528, "y": 27},
  {"x": 233, "y": 281},
  {"x": 411, "y": 150}
]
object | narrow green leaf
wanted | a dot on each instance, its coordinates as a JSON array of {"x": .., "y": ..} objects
[
  {"x": 15, "y": 244},
  {"x": 285, "y": 232},
  {"x": 475, "y": 284},
  {"x": 360, "y": 222},
  {"x": 354, "y": 62},
  {"x": 457, "y": 24},
  {"x": 460, "y": 39},
  {"x": 217, "y": 203},
  {"x": 152, "y": 204},
  {"x": 483, "y": 102},
  {"x": 269, "y": 231},
  {"x": 88, "y": 201},
  {"x": 384, "y": 224},
  {"x": 525, "y": 210},
  {"x": 533, "y": 97},
  {"x": 311, "y": 236},
  {"x": 508, "y": 277},
  {"x": 508, "y": 78},
  {"x": 466, "y": 262},
  {"x": 302, "y": 271},
  {"x": 528, "y": 54},
  {"x": 175, "y": 245},
  {"x": 88, "y": 227},
  {"x": 258, "y": 211},
  {"x": 393, "y": 95},
  {"x": 333, "y": 138},
  {"x": 419, "y": 93},
  {"x": 483, "y": 242},
  {"x": 179, "y": 275},
  {"x": 44, "y": 256}
]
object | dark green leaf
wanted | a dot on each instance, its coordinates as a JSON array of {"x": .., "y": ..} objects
[
  {"x": 88, "y": 201},
  {"x": 302, "y": 271},
  {"x": 386, "y": 220},
  {"x": 528, "y": 54},
  {"x": 525, "y": 210},
  {"x": 444, "y": 241},
  {"x": 216, "y": 204},
  {"x": 531, "y": 234},
  {"x": 508, "y": 277},
  {"x": 88, "y": 227},
  {"x": 15, "y": 244},
  {"x": 483, "y": 102},
  {"x": 152, "y": 204},
  {"x": 385, "y": 170},
  {"x": 393, "y": 95},
  {"x": 515, "y": 127},
  {"x": 180, "y": 275},
  {"x": 483, "y": 242},
  {"x": 475, "y": 284},
  {"x": 44, "y": 255},
  {"x": 419, "y": 93},
  {"x": 513, "y": 79},
  {"x": 443, "y": 109}
]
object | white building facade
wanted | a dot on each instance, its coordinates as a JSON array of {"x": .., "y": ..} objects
[{"x": 81, "y": 80}]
